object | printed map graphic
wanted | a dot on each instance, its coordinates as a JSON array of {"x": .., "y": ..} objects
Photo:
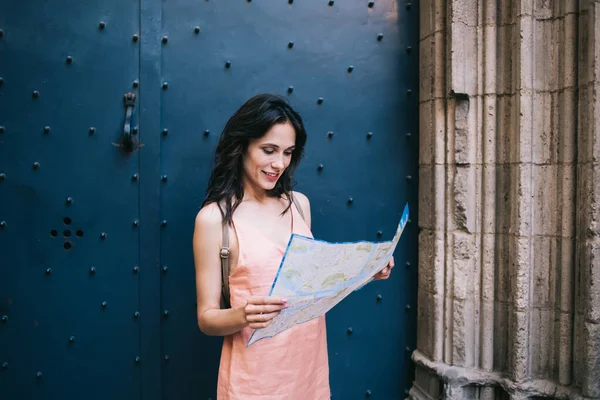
[{"x": 315, "y": 275}]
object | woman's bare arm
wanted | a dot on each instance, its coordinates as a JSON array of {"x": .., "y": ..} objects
[{"x": 212, "y": 320}]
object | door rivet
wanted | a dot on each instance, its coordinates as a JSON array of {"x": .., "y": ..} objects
[
  {"x": 290, "y": 45},
  {"x": 227, "y": 64},
  {"x": 102, "y": 25},
  {"x": 320, "y": 100},
  {"x": 290, "y": 89},
  {"x": 36, "y": 94},
  {"x": 136, "y": 37},
  {"x": 197, "y": 29},
  {"x": 380, "y": 37},
  {"x": 350, "y": 68},
  {"x": 165, "y": 39},
  {"x": 92, "y": 270},
  {"x": 69, "y": 59}
]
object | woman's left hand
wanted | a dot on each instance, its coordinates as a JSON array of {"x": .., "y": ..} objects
[{"x": 385, "y": 273}]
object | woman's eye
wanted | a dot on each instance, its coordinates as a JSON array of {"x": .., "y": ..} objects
[
  {"x": 288, "y": 153},
  {"x": 268, "y": 151}
]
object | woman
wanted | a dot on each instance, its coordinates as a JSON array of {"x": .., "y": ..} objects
[{"x": 257, "y": 154}]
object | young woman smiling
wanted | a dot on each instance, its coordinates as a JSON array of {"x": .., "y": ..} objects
[{"x": 250, "y": 192}]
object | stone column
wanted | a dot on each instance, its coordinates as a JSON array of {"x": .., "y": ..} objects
[{"x": 509, "y": 249}]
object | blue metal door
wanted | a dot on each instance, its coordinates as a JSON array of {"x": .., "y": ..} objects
[
  {"x": 96, "y": 272},
  {"x": 69, "y": 217}
]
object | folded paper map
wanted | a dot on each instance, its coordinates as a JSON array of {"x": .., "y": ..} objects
[{"x": 315, "y": 275}]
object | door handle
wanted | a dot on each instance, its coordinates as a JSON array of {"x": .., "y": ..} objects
[{"x": 129, "y": 140}]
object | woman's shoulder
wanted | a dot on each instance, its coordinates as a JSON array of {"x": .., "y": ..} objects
[
  {"x": 209, "y": 217},
  {"x": 302, "y": 199}
]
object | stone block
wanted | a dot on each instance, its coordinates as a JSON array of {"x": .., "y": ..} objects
[
  {"x": 465, "y": 196},
  {"x": 591, "y": 361},
  {"x": 566, "y": 269},
  {"x": 565, "y": 353},
  {"x": 504, "y": 210},
  {"x": 589, "y": 284},
  {"x": 546, "y": 48},
  {"x": 546, "y": 200},
  {"x": 427, "y": 64},
  {"x": 488, "y": 133},
  {"x": 567, "y": 125},
  {"x": 439, "y": 135},
  {"x": 521, "y": 254},
  {"x": 544, "y": 270},
  {"x": 526, "y": 47},
  {"x": 426, "y": 133},
  {"x": 488, "y": 267},
  {"x": 506, "y": 133},
  {"x": 502, "y": 331},
  {"x": 431, "y": 262},
  {"x": 430, "y": 325},
  {"x": 427, "y": 14},
  {"x": 566, "y": 201},
  {"x": 568, "y": 35},
  {"x": 462, "y": 12},
  {"x": 542, "y": 9},
  {"x": 545, "y": 128},
  {"x": 543, "y": 341},
  {"x": 463, "y": 58},
  {"x": 490, "y": 60},
  {"x": 506, "y": 12},
  {"x": 520, "y": 199},
  {"x": 488, "y": 330},
  {"x": 467, "y": 137},
  {"x": 587, "y": 125},
  {"x": 465, "y": 262},
  {"x": 519, "y": 345},
  {"x": 522, "y": 150},
  {"x": 464, "y": 332},
  {"x": 504, "y": 267},
  {"x": 588, "y": 200}
]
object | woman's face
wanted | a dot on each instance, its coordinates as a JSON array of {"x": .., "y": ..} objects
[{"x": 267, "y": 157}]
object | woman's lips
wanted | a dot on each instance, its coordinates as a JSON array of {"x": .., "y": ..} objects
[{"x": 271, "y": 176}]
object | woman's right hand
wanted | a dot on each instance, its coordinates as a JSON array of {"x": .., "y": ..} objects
[{"x": 260, "y": 310}]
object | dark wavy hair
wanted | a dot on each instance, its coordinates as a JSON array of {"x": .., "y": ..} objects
[{"x": 251, "y": 121}]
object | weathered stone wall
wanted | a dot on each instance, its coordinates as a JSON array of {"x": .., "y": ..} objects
[{"x": 509, "y": 269}]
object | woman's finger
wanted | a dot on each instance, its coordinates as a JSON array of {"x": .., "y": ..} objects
[
  {"x": 257, "y": 309},
  {"x": 252, "y": 318}
]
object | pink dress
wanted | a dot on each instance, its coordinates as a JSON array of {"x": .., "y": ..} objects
[{"x": 291, "y": 365}]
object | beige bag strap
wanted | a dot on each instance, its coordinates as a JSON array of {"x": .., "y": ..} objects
[{"x": 225, "y": 259}]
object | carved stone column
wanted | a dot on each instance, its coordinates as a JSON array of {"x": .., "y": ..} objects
[{"x": 509, "y": 249}]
